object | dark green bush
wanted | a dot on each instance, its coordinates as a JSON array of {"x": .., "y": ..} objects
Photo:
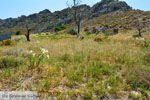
[
  {"x": 10, "y": 62},
  {"x": 18, "y": 33},
  {"x": 72, "y": 32},
  {"x": 59, "y": 28}
]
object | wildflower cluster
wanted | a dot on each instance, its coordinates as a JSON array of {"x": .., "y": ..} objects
[
  {"x": 44, "y": 52},
  {"x": 35, "y": 59}
]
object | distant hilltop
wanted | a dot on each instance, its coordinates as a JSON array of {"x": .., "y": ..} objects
[{"x": 46, "y": 20}]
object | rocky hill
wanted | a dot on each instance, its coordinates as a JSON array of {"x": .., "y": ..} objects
[{"x": 46, "y": 20}]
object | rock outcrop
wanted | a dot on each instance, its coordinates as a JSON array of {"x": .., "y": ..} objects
[
  {"x": 46, "y": 20},
  {"x": 101, "y": 8}
]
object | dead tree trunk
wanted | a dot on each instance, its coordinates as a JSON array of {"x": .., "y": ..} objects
[
  {"x": 140, "y": 25},
  {"x": 78, "y": 28},
  {"x": 140, "y": 35},
  {"x": 27, "y": 35},
  {"x": 77, "y": 21},
  {"x": 77, "y": 16}
]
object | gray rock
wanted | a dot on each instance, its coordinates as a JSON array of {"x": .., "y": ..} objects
[
  {"x": 94, "y": 31},
  {"x": 103, "y": 29},
  {"x": 101, "y": 8}
]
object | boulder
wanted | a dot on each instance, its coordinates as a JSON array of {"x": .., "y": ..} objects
[{"x": 103, "y": 29}]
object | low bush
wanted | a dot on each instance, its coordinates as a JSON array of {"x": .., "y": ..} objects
[
  {"x": 7, "y": 62},
  {"x": 17, "y": 52},
  {"x": 18, "y": 33},
  {"x": 72, "y": 32},
  {"x": 59, "y": 28},
  {"x": 7, "y": 42}
]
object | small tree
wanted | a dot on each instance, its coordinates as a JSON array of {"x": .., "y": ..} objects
[
  {"x": 77, "y": 15},
  {"x": 27, "y": 35},
  {"x": 140, "y": 25}
]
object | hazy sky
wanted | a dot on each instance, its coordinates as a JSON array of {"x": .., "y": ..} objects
[{"x": 15, "y": 8}]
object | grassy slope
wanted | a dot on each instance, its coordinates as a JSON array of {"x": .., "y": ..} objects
[{"x": 116, "y": 66}]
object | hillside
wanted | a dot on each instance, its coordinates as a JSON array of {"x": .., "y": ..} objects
[
  {"x": 123, "y": 20},
  {"x": 62, "y": 67},
  {"x": 55, "y": 64},
  {"x": 46, "y": 20}
]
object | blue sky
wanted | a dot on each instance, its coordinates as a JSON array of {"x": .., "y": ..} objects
[{"x": 15, "y": 8}]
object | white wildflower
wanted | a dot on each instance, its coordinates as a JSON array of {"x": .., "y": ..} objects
[
  {"x": 135, "y": 93},
  {"x": 33, "y": 54},
  {"x": 108, "y": 87},
  {"x": 142, "y": 39},
  {"x": 44, "y": 51},
  {"x": 47, "y": 56},
  {"x": 136, "y": 38},
  {"x": 30, "y": 51}
]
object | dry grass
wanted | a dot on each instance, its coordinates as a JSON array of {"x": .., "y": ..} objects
[{"x": 87, "y": 68}]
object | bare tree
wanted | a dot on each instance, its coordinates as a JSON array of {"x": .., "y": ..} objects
[
  {"x": 140, "y": 25},
  {"x": 77, "y": 15},
  {"x": 27, "y": 35}
]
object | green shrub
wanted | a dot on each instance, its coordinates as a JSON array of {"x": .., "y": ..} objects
[
  {"x": 35, "y": 61},
  {"x": 6, "y": 62},
  {"x": 59, "y": 28},
  {"x": 18, "y": 33},
  {"x": 72, "y": 32},
  {"x": 7, "y": 42}
]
